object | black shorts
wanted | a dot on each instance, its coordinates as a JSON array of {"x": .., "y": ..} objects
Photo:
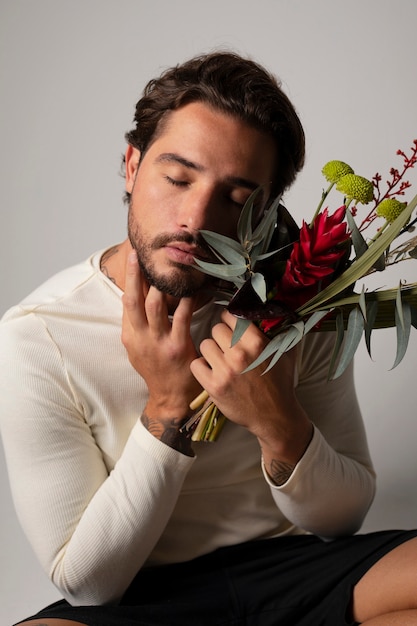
[{"x": 286, "y": 581}]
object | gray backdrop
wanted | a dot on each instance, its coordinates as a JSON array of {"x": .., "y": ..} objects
[{"x": 71, "y": 71}]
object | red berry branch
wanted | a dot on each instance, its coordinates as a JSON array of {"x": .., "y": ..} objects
[{"x": 396, "y": 185}]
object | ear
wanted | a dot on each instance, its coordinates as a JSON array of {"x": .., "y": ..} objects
[{"x": 132, "y": 157}]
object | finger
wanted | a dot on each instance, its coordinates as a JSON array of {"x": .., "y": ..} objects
[
  {"x": 228, "y": 319},
  {"x": 222, "y": 335},
  {"x": 241, "y": 354},
  {"x": 202, "y": 372},
  {"x": 133, "y": 297},
  {"x": 181, "y": 321},
  {"x": 156, "y": 310},
  {"x": 214, "y": 356},
  {"x": 212, "y": 370}
]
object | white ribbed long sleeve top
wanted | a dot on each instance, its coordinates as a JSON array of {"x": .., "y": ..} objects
[{"x": 99, "y": 497}]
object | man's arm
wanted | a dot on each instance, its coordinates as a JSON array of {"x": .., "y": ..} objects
[
  {"x": 161, "y": 350},
  {"x": 264, "y": 403},
  {"x": 310, "y": 431},
  {"x": 91, "y": 528},
  {"x": 335, "y": 475}
]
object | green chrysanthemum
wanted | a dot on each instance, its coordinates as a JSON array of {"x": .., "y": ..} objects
[
  {"x": 390, "y": 209},
  {"x": 333, "y": 171},
  {"x": 356, "y": 188}
]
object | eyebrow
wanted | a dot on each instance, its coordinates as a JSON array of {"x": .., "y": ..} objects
[{"x": 172, "y": 157}]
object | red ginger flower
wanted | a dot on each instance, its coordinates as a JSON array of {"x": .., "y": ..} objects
[
  {"x": 312, "y": 262},
  {"x": 316, "y": 254}
]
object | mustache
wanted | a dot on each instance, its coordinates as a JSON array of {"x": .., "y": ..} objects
[{"x": 202, "y": 249}]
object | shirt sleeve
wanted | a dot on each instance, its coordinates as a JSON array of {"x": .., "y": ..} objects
[
  {"x": 92, "y": 530},
  {"x": 333, "y": 484}
]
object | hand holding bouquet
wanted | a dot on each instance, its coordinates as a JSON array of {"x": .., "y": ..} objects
[{"x": 291, "y": 281}]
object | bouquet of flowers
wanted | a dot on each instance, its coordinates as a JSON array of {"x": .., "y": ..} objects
[{"x": 291, "y": 281}]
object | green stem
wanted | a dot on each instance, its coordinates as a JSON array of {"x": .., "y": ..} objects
[{"x": 323, "y": 197}]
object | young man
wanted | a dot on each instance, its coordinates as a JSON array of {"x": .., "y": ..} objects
[{"x": 133, "y": 522}]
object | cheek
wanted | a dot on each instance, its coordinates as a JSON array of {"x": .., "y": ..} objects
[
  {"x": 227, "y": 224},
  {"x": 148, "y": 207}
]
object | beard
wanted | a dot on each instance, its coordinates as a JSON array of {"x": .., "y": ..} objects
[{"x": 183, "y": 280}]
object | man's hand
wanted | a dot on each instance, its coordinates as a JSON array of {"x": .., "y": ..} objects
[
  {"x": 264, "y": 404},
  {"x": 160, "y": 350}
]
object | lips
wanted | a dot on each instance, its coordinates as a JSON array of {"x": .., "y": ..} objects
[
  {"x": 184, "y": 247},
  {"x": 183, "y": 253}
]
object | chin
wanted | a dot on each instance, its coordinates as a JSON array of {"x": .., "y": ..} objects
[{"x": 180, "y": 283}]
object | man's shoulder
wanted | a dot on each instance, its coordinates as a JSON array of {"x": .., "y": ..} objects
[{"x": 81, "y": 287}]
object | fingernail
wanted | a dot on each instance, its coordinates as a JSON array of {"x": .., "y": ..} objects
[{"x": 132, "y": 258}]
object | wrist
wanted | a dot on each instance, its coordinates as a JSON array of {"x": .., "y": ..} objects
[
  {"x": 278, "y": 472},
  {"x": 163, "y": 408},
  {"x": 167, "y": 430},
  {"x": 281, "y": 452}
]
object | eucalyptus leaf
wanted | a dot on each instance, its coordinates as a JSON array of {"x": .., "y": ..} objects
[
  {"x": 262, "y": 257},
  {"x": 259, "y": 285},
  {"x": 278, "y": 344},
  {"x": 241, "y": 326},
  {"x": 264, "y": 245},
  {"x": 358, "y": 241},
  {"x": 362, "y": 302},
  {"x": 221, "y": 243},
  {"x": 293, "y": 335},
  {"x": 223, "y": 302},
  {"x": 283, "y": 232},
  {"x": 413, "y": 316},
  {"x": 403, "y": 323},
  {"x": 313, "y": 320},
  {"x": 399, "y": 316},
  {"x": 380, "y": 263},
  {"x": 340, "y": 334},
  {"x": 244, "y": 225},
  {"x": 354, "y": 333},
  {"x": 286, "y": 230},
  {"x": 238, "y": 281},
  {"x": 268, "y": 351},
  {"x": 371, "y": 314},
  {"x": 264, "y": 231},
  {"x": 221, "y": 271}
]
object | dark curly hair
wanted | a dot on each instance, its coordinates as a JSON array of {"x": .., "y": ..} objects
[{"x": 232, "y": 84}]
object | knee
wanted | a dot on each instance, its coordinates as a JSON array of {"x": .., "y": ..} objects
[{"x": 51, "y": 621}]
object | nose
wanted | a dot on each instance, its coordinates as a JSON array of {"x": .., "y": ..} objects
[{"x": 198, "y": 210}]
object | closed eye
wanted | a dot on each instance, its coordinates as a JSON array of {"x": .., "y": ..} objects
[
  {"x": 237, "y": 204},
  {"x": 238, "y": 198},
  {"x": 175, "y": 182}
]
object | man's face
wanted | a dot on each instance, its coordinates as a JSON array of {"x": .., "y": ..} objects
[{"x": 196, "y": 175}]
